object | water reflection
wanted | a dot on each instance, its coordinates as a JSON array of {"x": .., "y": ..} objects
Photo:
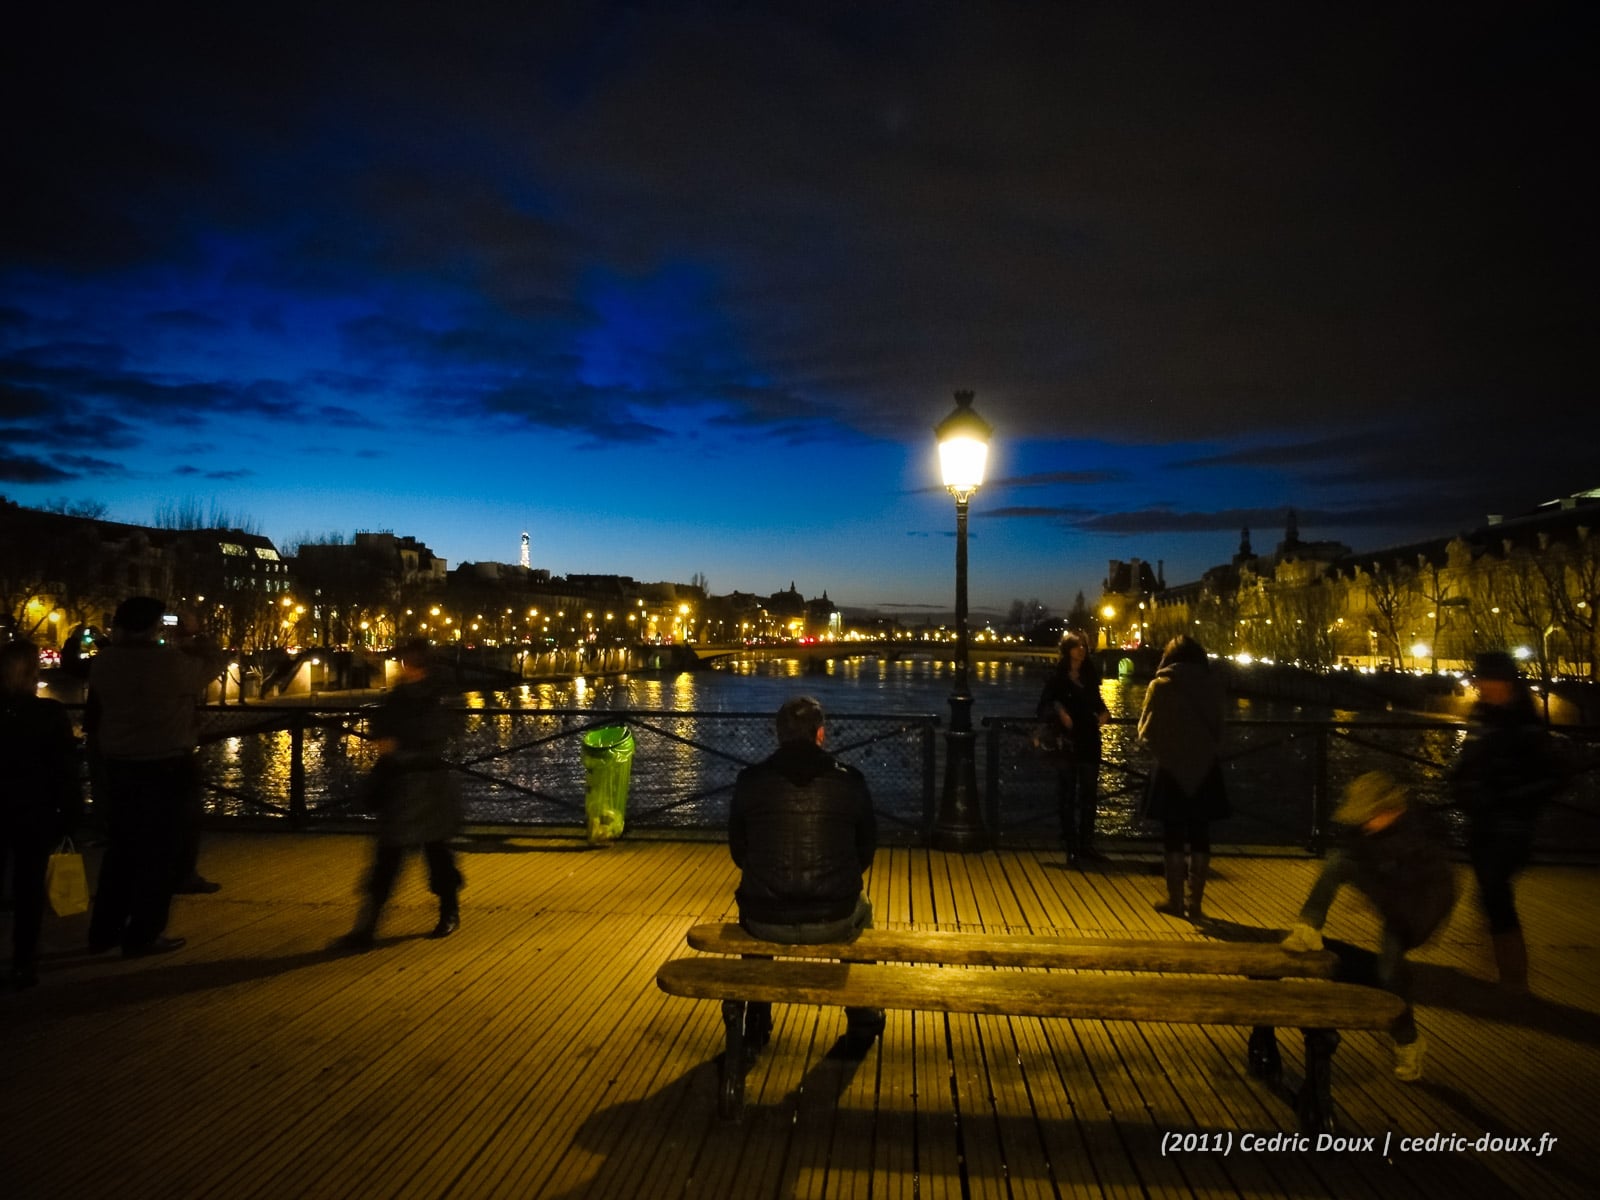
[{"x": 695, "y": 730}]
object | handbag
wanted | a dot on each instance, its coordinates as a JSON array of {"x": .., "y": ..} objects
[
  {"x": 65, "y": 884},
  {"x": 1053, "y": 744}
]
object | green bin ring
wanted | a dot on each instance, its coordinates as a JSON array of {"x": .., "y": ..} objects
[{"x": 610, "y": 741}]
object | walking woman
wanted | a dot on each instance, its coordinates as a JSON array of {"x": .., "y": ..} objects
[
  {"x": 40, "y": 796},
  {"x": 1072, "y": 709},
  {"x": 415, "y": 798},
  {"x": 1506, "y": 771},
  {"x": 1182, "y": 723}
]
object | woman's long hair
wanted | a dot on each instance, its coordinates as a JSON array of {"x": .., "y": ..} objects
[
  {"x": 19, "y": 669},
  {"x": 1072, "y": 639},
  {"x": 1183, "y": 648}
]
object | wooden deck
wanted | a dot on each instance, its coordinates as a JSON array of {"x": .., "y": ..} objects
[{"x": 532, "y": 1055}]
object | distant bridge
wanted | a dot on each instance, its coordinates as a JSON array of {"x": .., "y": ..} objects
[{"x": 1114, "y": 663}]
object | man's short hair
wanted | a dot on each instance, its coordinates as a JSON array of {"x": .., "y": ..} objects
[
  {"x": 798, "y": 720},
  {"x": 414, "y": 652},
  {"x": 138, "y": 614}
]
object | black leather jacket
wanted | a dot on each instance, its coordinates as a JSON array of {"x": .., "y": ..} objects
[{"x": 802, "y": 832}]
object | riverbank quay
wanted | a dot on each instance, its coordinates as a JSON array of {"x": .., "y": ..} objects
[{"x": 532, "y": 1055}]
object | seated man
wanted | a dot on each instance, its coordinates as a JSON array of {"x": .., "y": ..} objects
[{"x": 802, "y": 832}]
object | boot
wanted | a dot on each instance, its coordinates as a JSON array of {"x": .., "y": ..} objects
[
  {"x": 1086, "y": 850},
  {"x": 1069, "y": 835},
  {"x": 1199, "y": 865},
  {"x": 1511, "y": 959},
  {"x": 757, "y": 1026},
  {"x": 449, "y": 917},
  {"x": 1175, "y": 867}
]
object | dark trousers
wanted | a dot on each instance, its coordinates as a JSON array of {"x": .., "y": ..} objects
[
  {"x": 1193, "y": 832},
  {"x": 27, "y": 849},
  {"x": 1494, "y": 861},
  {"x": 194, "y": 808},
  {"x": 145, "y": 806},
  {"x": 1077, "y": 797},
  {"x": 444, "y": 881},
  {"x": 758, "y": 1013},
  {"x": 1387, "y": 969}
]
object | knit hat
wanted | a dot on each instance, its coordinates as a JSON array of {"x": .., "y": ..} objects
[
  {"x": 138, "y": 614},
  {"x": 1369, "y": 795},
  {"x": 1495, "y": 664}
]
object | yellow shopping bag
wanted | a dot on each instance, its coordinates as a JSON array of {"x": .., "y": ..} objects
[{"x": 65, "y": 883}]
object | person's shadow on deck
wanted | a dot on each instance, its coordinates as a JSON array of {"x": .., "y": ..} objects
[
  {"x": 154, "y": 980},
  {"x": 692, "y": 1151}
]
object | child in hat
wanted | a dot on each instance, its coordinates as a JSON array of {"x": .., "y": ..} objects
[{"x": 1396, "y": 859}]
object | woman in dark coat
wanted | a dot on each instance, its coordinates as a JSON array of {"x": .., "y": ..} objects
[
  {"x": 1073, "y": 712},
  {"x": 415, "y": 797},
  {"x": 1182, "y": 722},
  {"x": 40, "y": 796},
  {"x": 1507, "y": 769}
]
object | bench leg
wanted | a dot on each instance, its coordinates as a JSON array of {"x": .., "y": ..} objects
[
  {"x": 730, "y": 1099},
  {"x": 1265, "y": 1062},
  {"x": 1314, "y": 1105}
]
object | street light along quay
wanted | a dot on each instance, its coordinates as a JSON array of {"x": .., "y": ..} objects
[{"x": 963, "y": 453}]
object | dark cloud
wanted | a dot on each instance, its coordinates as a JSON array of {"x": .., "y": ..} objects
[
  {"x": 1168, "y": 520},
  {"x": 1341, "y": 262},
  {"x": 1071, "y": 478},
  {"x": 16, "y": 468},
  {"x": 87, "y": 464},
  {"x": 1034, "y": 512}
]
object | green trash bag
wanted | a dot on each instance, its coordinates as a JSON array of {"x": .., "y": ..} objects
[{"x": 607, "y": 766}]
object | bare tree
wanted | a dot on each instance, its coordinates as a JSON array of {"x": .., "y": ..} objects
[
  {"x": 188, "y": 514},
  {"x": 1527, "y": 592},
  {"x": 1391, "y": 589},
  {"x": 1578, "y": 596}
]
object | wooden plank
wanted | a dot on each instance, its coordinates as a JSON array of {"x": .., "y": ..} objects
[
  {"x": 1200, "y": 1001},
  {"x": 1258, "y": 959},
  {"x": 518, "y": 1059}
]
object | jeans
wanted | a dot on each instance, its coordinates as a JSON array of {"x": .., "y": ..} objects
[
  {"x": 758, "y": 1014},
  {"x": 1077, "y": 788}
]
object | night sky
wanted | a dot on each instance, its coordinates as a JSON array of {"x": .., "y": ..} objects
[{"x": 682, "y": 288}]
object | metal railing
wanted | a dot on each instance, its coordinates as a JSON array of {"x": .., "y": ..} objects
[
  {"x": 1284, "y": 779},
  {"x": 524, "y": 767}
]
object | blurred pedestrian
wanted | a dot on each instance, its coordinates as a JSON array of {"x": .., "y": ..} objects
[
  {"x": 802, "y": 832},
  {"x": 1182, "y": 722},
  {"x": 40, "y": 796},
  {"x": 1396, "y": 858},
  {"x": 142, "y": 726},
  {"x": 414, "y": 795},
  {"x": 1506, "y": 770},
  {"x": 1073, "y": 713}
]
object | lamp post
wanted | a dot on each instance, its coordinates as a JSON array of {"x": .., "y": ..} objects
[{"x": 963, "y": 452}]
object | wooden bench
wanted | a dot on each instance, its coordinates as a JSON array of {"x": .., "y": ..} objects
[{"x": 1255, "y": 985}]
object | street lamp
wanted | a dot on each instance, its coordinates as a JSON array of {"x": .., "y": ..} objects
[{"x": 963, "y": 453}]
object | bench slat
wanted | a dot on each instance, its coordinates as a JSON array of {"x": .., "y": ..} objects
[
  {"x": 1260, "y": 959},
  {"x": 1311, "y": 1005}
]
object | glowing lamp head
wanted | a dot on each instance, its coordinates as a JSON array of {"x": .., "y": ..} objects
[{"x": 963, "y": 448}]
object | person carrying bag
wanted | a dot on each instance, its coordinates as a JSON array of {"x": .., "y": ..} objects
[
  {"x": 40, "y": 798},
  {"x": 66, "y": 884}
]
